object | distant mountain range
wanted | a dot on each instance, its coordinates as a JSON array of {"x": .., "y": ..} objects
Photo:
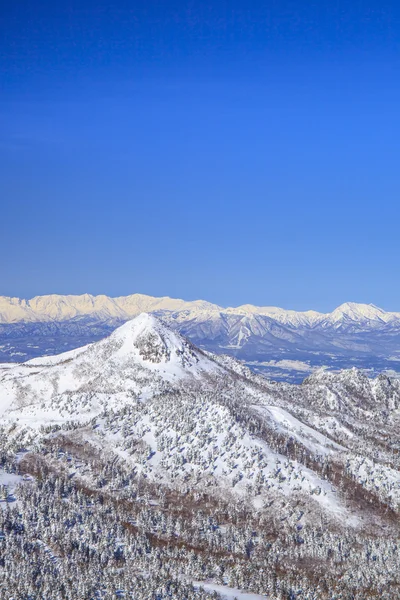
[{"x": 284, "y": 344}]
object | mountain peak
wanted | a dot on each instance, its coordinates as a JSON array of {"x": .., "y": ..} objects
[
  {"x": 142, "y": 356},
  {"x": 357, "y": 312},
  {"x": 148, "y": 340},
  {"x": 143, "y": 322}
]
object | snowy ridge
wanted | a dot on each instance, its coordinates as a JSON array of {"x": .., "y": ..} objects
[
  {"x": 56, "y": 307},
  {"x": 274, "y": 340}
]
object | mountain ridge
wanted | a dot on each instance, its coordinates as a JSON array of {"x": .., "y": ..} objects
[
  {"x": 60, "y": 307},
  {"x": 283, "y": 344}
]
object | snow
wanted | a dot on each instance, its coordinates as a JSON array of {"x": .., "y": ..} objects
[
  {"x": 143, "y": 365},
  {"x": 359, "y": 313},
  {"x": 141, "y": 350},
  {"x": 312, "y": 439},
  {"x": 56, "y": 307},
  {"x": 9, "y": 479},
  {"x": 134, "y": 364},
  {"x": 228, "y": 593},
  {"x": 45, "y": 361},
  {"x": 295, "y": 365},
  {"x": 286, "y": 317}
]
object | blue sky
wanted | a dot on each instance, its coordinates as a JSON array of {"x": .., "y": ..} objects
[{"x": 234, "y": 151}]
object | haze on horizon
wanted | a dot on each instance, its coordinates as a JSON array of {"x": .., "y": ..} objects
[{"x": 233, "y": 152}]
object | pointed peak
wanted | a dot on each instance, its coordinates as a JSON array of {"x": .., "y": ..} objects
[
  {"x": 143, "y": 322},
  {"x": 147, "y": 337},
  {"x": 357, "y": 311}
]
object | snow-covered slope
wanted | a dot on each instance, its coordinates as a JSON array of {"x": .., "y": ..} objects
[
  {"x": 171, "y": 388},
  {"x": 361, "y": 314},
  {"x": 137, "y": 358},
  {"x": 170, "y": 453},
  {"x": 146, "y": 363},
  {"x": 350, "y": 391},
  {"x": 286, "y": 317}
]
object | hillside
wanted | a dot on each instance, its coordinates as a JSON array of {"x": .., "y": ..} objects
[{"x": 141, "y": 466}]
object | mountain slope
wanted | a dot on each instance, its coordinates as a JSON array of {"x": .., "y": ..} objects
[
  {"x": 144, "y": 365},
  {"x": 137, "y": 358},
  {"x": 145, "y": 361},
  {"x": 142, "y": 455}
]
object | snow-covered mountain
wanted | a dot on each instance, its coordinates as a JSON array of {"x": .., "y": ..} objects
[
  {"x": 144, "y": 361},
  {"x": 142, "y": 454},
  {"x": 59, "y": 308},
  {"x": 281, "y": 343},
  {"x": 144, "y": 366},
  {"x": 137, "y": 358}
]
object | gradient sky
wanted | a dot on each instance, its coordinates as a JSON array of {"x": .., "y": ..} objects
[{"x": 239, "y": 151}]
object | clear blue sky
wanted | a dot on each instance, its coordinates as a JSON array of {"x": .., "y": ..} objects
[{"x": 240, "y": 151}]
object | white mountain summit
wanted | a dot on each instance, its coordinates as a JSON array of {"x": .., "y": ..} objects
[{"x": 361, "y": 313}]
